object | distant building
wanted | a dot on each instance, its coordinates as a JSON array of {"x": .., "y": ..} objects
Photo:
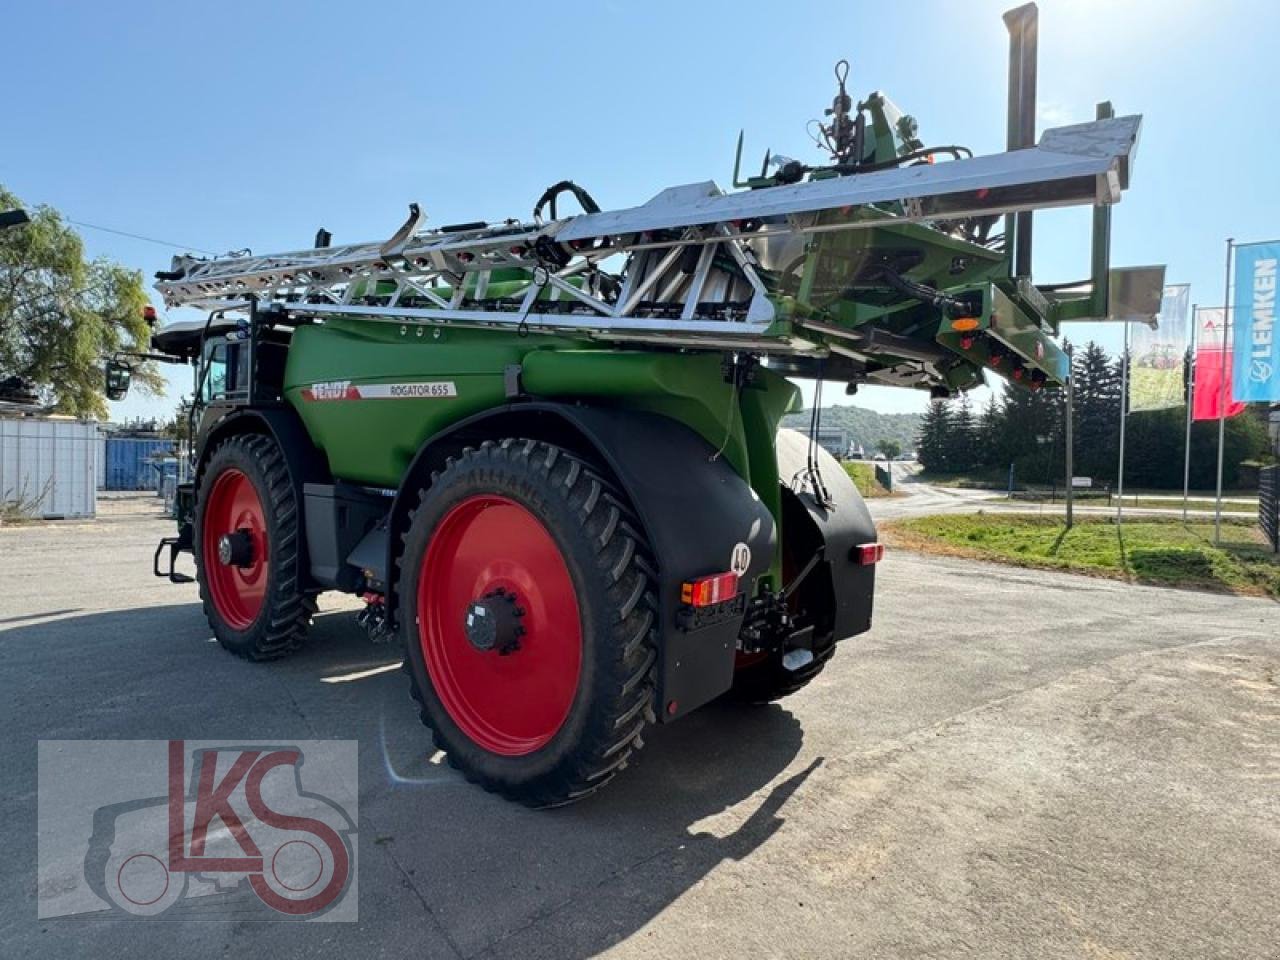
[{"x": 835, "y": 440}]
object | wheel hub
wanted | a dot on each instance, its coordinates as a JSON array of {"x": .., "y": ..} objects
[
  {"x": 493, "y": 623},
  {"x": 508, "y": 705},
  {"x": 235, "y": 549}
]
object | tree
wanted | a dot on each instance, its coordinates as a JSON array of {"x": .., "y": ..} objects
[
  {"x": 961, "y": 452},
  {"x": 1097, "y": 413},
  {"x": 989, "y": 435},
  {"x": 891, "y": 449},
  {"x": 179, "y": 428},
  {"x": 932, "y": 446},
  {"x": 61, "y": 315}
]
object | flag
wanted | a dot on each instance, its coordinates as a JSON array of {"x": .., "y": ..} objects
[
  {"x": 1207, "y": 397},
  {"x": 1155, "y": 369},
  {"x": 1256, "y": 372}
]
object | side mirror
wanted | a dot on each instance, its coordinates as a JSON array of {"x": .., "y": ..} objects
[{"x": 118, "y": 375}]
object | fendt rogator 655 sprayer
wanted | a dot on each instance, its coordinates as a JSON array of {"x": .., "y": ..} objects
[{"x": 547, "y": 453}]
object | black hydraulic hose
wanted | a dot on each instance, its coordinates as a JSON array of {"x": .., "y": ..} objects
[
  {"x": 549, "y": 196},
  {"x": 925, "y": 294},
  {"x": 795, "y": 170},
  {"x": 960, "y": 153}
]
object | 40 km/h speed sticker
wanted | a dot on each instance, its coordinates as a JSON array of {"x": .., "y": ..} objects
[
  {"x": 346, "y": 390},
  {"x": 740, "y": 559}
]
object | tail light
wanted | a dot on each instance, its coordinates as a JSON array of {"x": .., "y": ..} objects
[
  {"x": 706, "y": 591},
  {"x": 866, "y": 554}
]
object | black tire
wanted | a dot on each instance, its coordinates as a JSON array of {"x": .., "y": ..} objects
[
  {"x": 768, "y": 680},
  {"x": 281, "y": 624},
  {"x": 609, "y": 562}
]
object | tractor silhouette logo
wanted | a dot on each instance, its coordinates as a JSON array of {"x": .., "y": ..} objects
[{"x": 236, "y": 836}]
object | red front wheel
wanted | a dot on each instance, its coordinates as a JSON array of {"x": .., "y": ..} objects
[
  {"x": 526, "y": 596},
  {"x": 247, "y": 559}
]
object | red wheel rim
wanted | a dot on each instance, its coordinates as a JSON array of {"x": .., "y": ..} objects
[
  {"x": 238, "y": 592},
  {"x": 514, "y": 704}
]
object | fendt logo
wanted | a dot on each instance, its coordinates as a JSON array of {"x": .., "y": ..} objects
[
  {"x": 241, "y": 831},
  {"x": 346, "y": 390},
  {"x": 331, "y": 390}
]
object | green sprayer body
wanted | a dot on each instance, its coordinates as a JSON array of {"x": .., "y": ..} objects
[{"x": 547, "y": 453}]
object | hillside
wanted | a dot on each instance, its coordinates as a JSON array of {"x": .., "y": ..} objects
[{"x": 865, "y": 427}]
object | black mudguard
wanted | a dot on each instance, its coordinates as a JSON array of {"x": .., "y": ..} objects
[
  {"x": 694, "y": 507},
  {"x": 306, "y": 463},
  {"x": 842, "y": 525},
  {"x": 696, "y": 510}
]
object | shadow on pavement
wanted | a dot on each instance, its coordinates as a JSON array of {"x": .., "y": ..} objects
[{"x": 492, "y": 878}]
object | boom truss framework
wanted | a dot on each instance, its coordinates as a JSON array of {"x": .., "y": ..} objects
[{"x": 688, "y": 262}]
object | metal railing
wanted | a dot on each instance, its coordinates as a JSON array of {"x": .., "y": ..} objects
[{"x": 1269, "y": 505}]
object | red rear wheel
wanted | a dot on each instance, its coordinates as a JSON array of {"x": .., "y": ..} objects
[
  {"x": 490, "y": 557},
  {"x": 235, "y": 546},
  {"x": 526, "y": 596}
]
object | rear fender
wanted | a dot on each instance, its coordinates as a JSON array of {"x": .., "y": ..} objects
[
  {"x": 694, "y": 507},
  {"x": 840, "y": 525}
]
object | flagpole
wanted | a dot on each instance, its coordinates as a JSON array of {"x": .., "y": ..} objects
[
  {"x": 1070, "y": 438},
  {"x": 1222, "y": 395},
  {"x": 1191, "y": 366},
  {"x": 1124, "y": 405}
]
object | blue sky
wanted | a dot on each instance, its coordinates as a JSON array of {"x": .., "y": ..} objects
[{"x": 251, "y": 124}]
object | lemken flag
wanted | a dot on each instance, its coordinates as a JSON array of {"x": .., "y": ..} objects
[
  {"x": 1256, "y": 373},
  {"x": 1156, "y": 367}
]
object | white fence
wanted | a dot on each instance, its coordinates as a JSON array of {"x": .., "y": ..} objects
[{"x": 49, "y": 466}]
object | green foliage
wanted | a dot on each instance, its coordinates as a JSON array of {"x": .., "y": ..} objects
[
  {"x": 933, "y": 448},
  {"x": 62, "y": 315},
  {"x": 179, "y": 428},
  {"x": 1028, "y": 429},
  {"x": 960, "y": 444},
  {"x": 1097, "y": 413},
  {"x": 865, "y": 427},
  {"x": 864, "y": 478},
  {"x": 1154, "y": 551},
  {"x": 891, "y": 448}
]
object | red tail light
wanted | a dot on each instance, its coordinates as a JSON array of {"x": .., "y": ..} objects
[
  {"x": 867, "y": 553},
  {"x": 706, "y": 591}
]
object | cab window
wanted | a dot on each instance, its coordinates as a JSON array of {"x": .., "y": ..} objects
[{"x": 215, "y": 379}]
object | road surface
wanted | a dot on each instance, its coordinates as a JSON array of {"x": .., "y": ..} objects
[{"x": 1011, "y": 764}]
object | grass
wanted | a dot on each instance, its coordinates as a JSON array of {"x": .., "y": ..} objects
[
  {"x": 12, "y": 516},
  {"x": 864, "y": 478},
  {"x": 982, "y": 480},
  {"x": 1093, "y": 498},
  {"x": 1157, "y": 551},
  {"x": 1192, "y": 504},
  {"x": 17, "y": 507}
]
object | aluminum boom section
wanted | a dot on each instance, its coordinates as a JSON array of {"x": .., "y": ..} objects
[
  {"x": 1084, "y": 163},
  {"x": 668, "y": 287}
]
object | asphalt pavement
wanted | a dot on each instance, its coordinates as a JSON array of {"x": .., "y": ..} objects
[{"x": 1010, "y": 764}]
